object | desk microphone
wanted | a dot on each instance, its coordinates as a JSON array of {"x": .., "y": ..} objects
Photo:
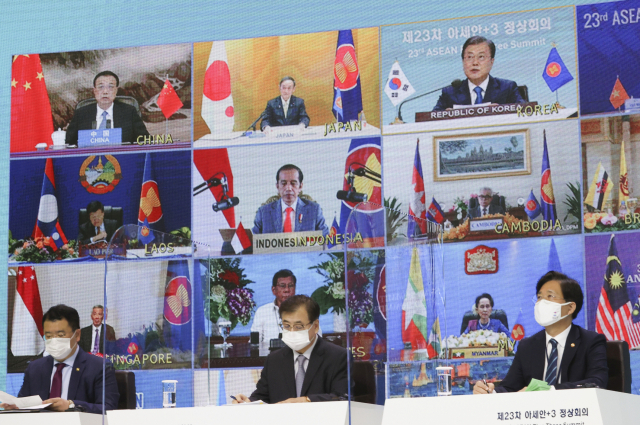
[
  {"x": 225, "y": 204},
  {"x": 455, "y": 84}
]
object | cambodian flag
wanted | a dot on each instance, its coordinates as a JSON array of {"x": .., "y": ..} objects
[
  {"x": 532, "y": 207},
  {"x": 434, "y": 212},
  {"x": 555, "y": 72},
  {"x": 417, "y": 202},
  {"x": 47, "y": 223},
  {"x": 150, "y": 211},
  {"x": 178, "y": 307},
  {"x": 548, "y": 201},
  {"x": 347, "y": 78},
  {"x": 364, "y": 158}
]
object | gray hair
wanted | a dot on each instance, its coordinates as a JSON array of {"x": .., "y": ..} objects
[
  {"x": 97, "y": 306},
  {"x": 482, "y": 189}
]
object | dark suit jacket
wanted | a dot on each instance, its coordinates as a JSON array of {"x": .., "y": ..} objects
[
  {"x": 86, "y": 334},
  {"x": 269, "y": 218},
  {"x": 124, "y": 116},
  {"x": 85, "y": 386},
  {"x": 498, "y": 91},
  {"x": 477, "y": 211},
  {"x": 88, "y": 230},
  {"x": 325, "y": 379},
  {"x": 296, "y": 113},
  {"x": 585, "y": 362}
]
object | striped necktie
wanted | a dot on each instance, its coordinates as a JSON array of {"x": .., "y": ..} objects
[{"x": 551, "y": 377}]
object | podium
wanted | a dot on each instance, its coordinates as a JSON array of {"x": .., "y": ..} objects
[
  {"x": 327, "y": 413},
  {"x": 579, "y": 406}
]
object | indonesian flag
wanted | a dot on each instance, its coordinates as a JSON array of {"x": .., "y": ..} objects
[
  {"x": 417, "y": 209},
  {"x": 168, "y": 100},
  {"x": 240, "y": 240},
  {"x": 31, "y": 120},
  {"x": 414, "y": 307},
  {"x": 618, "y": 94},
  {"x": 217, "y": 102},
  {"x": 27, "y": 332},
  {"x": 398, "y": 87},
  {"x": 624, "y": 181},
  {"x": 600, "y": 188},
  {"x": 47, "y": 223}
]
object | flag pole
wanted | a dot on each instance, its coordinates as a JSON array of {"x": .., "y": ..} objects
[{"x": 166, "y": 120}]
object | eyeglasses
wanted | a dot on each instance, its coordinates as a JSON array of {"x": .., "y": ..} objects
[
  {"x": 283, "y": 286},
  {"x": 548, "y": 297},
  {"x": 294, "y": 328},
  {"x": 481, "y": 58},
  {"x": 485, "y": 196}
]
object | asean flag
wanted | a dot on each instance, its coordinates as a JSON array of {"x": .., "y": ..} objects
[
  {"x": 555, "y": 72},
  {"x": 47, "y": 224},
  {"x": 369, "y": 219},
  {"x": 217, "y": 102},
  {"x": 150, "y": 211},
  {"x": 346, "y": 78},
  {"x": 417, "y": 207},
  {"x": 178, "y": 309},
  {"x": 548, "y": 201}
]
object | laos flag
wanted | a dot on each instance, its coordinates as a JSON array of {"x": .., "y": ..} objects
[
  {"x": 178, "y": 308},
  {"x": 417, "y": 207},
  {"x": 346, "y": 79},
  {"x": 48, "y": 223},
  {"x": 547, "y": 200},
  {"x": 364, "y": 158},
  {"x": 150, "y": 211}
]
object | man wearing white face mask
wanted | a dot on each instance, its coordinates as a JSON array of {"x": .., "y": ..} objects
[
  {"x": 69, "y": 377},
  {"x": 309, "y": 368},
  {"x": 564, "y": 355}
]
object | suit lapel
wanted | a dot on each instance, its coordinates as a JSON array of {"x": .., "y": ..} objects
[
  {"x": 76, "y": 374},
  {"x": 315, "y": 361},
  {"x": 102, "y": 329},
  {"x": 45, "y": 378},
  {"x": 276, "y": 216},
  {"x": 571, "y": 347},
  {"x": 492, "y": 87},
  {"x": 538, "y": 356},
  {"x": 289, "y": 373},
  {"x": 464, "y": 94},
  {"x": 301, "y": 210}
]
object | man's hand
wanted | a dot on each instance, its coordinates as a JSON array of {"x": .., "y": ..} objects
[
  {"x": 7, "y": 406},
  {"x": 295, "y": 400},
  {"x": 100, "y": 236},
  {"x": 481, "y": 388},
  {"x": 241, "y": 398},
  {"x": 266, "y": 128},
  {"x": 302, "y": 126},
  {"x": 523, "y": 390},
  {"x": 57, "y": 404}
]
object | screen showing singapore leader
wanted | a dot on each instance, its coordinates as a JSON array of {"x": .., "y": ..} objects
[{"x": 309, "y": 164}]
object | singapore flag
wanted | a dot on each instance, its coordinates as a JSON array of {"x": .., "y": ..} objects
[{"x": 217, "y": 102}]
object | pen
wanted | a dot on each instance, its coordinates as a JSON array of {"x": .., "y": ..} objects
[
  {"x": 484, "y": 381},
  {"x": 233, "y": 398}
]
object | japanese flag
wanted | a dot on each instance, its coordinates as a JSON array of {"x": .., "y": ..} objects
[
  {"x": 398, "y": 87},
  {"x": 217, "y": 102}
]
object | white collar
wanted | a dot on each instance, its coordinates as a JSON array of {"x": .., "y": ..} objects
[
  {"x": 69, "y": 362},
  {"x": 561, "y": 338},
  {"x": 109, "y": 111},
  {"x": 96, "y": 328},
  {"x": 483, "y": 85},
  {"x": 285, "y": 102},
  {"x": 307, "y": 353},
  {"x": 284, "y": 206}
]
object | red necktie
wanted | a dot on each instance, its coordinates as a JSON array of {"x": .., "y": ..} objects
[
  {"x": 288, "y": 228},
  {"x": 56, "y": 383}
]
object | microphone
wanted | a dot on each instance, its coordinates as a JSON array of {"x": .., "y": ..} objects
[
  {"x": 94, "y": 124},
  {"x": 108, "y": 123},
  {"x": 455, "y": 84},
  {"x": 351, "y": 196},
  {"x": 225, "y": 204},
  {"x": 253, "y": 125}
]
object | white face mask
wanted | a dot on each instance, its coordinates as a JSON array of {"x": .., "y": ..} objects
[
  {"x": 547, "y": 312},
  {"x": 296, "y": 340},
  {"x": 59, "y": 348}
]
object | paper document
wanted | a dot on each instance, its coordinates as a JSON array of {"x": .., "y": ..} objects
[
  {"x": 250, "y": 403},
  {"x": 32, "y": 402}
]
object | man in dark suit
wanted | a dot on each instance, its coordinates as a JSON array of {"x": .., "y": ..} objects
[
  {"x": 289, "y": 213},
  {"x": 91, "y": 339},
  {"x": 121, "y": 115},
  {"x": 564, "y": 355},
  {"x": 485, "y": 207},
  {"x": 97, "y": 228},
  {"x": 478, "y": 54},
  {"x": 285, "y": 109},
  {"x": 68, "y": 377},
  {"x": 308, "y": 368}
]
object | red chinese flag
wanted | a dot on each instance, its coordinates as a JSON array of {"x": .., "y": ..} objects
[
  {"x": 168, "y": 101},
  {"x": 618, "y": 94},
  {"x": 31, "y": 120}
]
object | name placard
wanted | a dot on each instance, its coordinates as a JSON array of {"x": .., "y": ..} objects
[
  {"x": 287, "y": 242},
  {"x": 100, "y": 137},
  {"x": 484, "y": 224}
]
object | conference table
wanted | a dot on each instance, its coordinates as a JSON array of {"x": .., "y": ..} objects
[{"x": 567, "y": 407}]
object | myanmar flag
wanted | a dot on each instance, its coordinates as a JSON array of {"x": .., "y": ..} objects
[{"x": 414, "y": 307}]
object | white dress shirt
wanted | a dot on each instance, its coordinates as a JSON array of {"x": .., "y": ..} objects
[
  {"x": 483, "y": 85},
  {"x": 561, "y": 338},
  {"x": 307, "y": 354},
  {"x": 66, "y": 374},
  {"x": 102, "y": 229},
  {"x": 285, "y": 105},
  {"x": 109, "y": 116},
  {"x": 292, "y": 213},
  {"x": 266, "y": 321}
]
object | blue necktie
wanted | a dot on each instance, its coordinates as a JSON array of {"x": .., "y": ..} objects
[
  {"x": 552, "y": 364},
  {"x": 478, "y": 91},
  {"x": 103, "y": 124}
]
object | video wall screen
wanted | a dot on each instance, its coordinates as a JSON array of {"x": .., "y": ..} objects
[{"x": 256, "y": 169}]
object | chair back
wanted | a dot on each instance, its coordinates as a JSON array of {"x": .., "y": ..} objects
[
  {"x": 122, "y": 99},
  {"x": 363, "y": 387},
  {"x": 619, "y": 364},
  {"x": 126, "y": 381},
  {"x": 524, "y": 92}
]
